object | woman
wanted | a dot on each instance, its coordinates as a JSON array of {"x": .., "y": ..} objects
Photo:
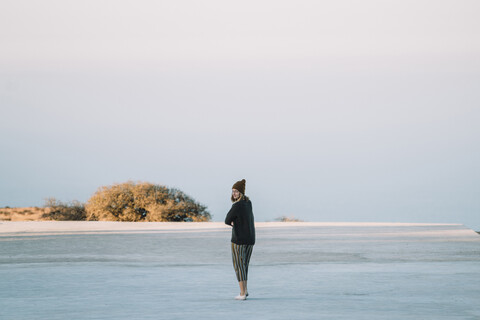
[{"x": 240, "y": 217}]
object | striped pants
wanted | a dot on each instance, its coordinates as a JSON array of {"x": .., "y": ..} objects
[{"x": 241, "y": 254}]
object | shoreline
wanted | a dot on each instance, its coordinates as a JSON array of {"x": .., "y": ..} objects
[{"x": 28, "y": 228}]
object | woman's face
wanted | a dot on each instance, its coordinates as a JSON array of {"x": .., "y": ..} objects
[{"x": 235, "y": 194}]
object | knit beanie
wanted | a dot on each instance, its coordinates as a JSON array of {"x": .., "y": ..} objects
[{"x": 240, "y": 186}]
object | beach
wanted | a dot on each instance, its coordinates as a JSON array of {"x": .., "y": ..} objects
[{"x": 299, "y": 270}]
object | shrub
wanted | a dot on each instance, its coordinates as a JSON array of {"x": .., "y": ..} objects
[
  {"x": 288, "y": 219},
  {"x": 58, "y": 210},
  {"x": 143, "y": 201}
]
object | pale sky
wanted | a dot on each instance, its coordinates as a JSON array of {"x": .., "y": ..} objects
[{"x": 331, "y": 110}]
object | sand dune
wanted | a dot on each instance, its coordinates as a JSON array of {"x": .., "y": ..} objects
[{"x": 23, "y": 214}]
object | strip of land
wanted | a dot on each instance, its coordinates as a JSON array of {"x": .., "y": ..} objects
[{"x": 346, "y": 230}]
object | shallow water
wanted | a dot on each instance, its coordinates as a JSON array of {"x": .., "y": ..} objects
[{"x": 331, "y": 272}]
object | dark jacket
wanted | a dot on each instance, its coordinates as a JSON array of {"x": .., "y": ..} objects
[{"x": 241, "y": 215}]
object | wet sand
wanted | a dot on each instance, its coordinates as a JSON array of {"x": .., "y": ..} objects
[{"x": 122, "y": 270}]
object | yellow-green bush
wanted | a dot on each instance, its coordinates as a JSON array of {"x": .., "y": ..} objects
[{"x": 143, "y": 201}]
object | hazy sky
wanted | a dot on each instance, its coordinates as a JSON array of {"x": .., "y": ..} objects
[{"x": 331, "y": 110}]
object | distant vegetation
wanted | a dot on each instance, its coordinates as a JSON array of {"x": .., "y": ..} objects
[
  {"x": 57, "y": 210},
  {"x": 143, "y": 202},
  {"x": 288, "y": 219},
  {"x": 120, "y": 202}
]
